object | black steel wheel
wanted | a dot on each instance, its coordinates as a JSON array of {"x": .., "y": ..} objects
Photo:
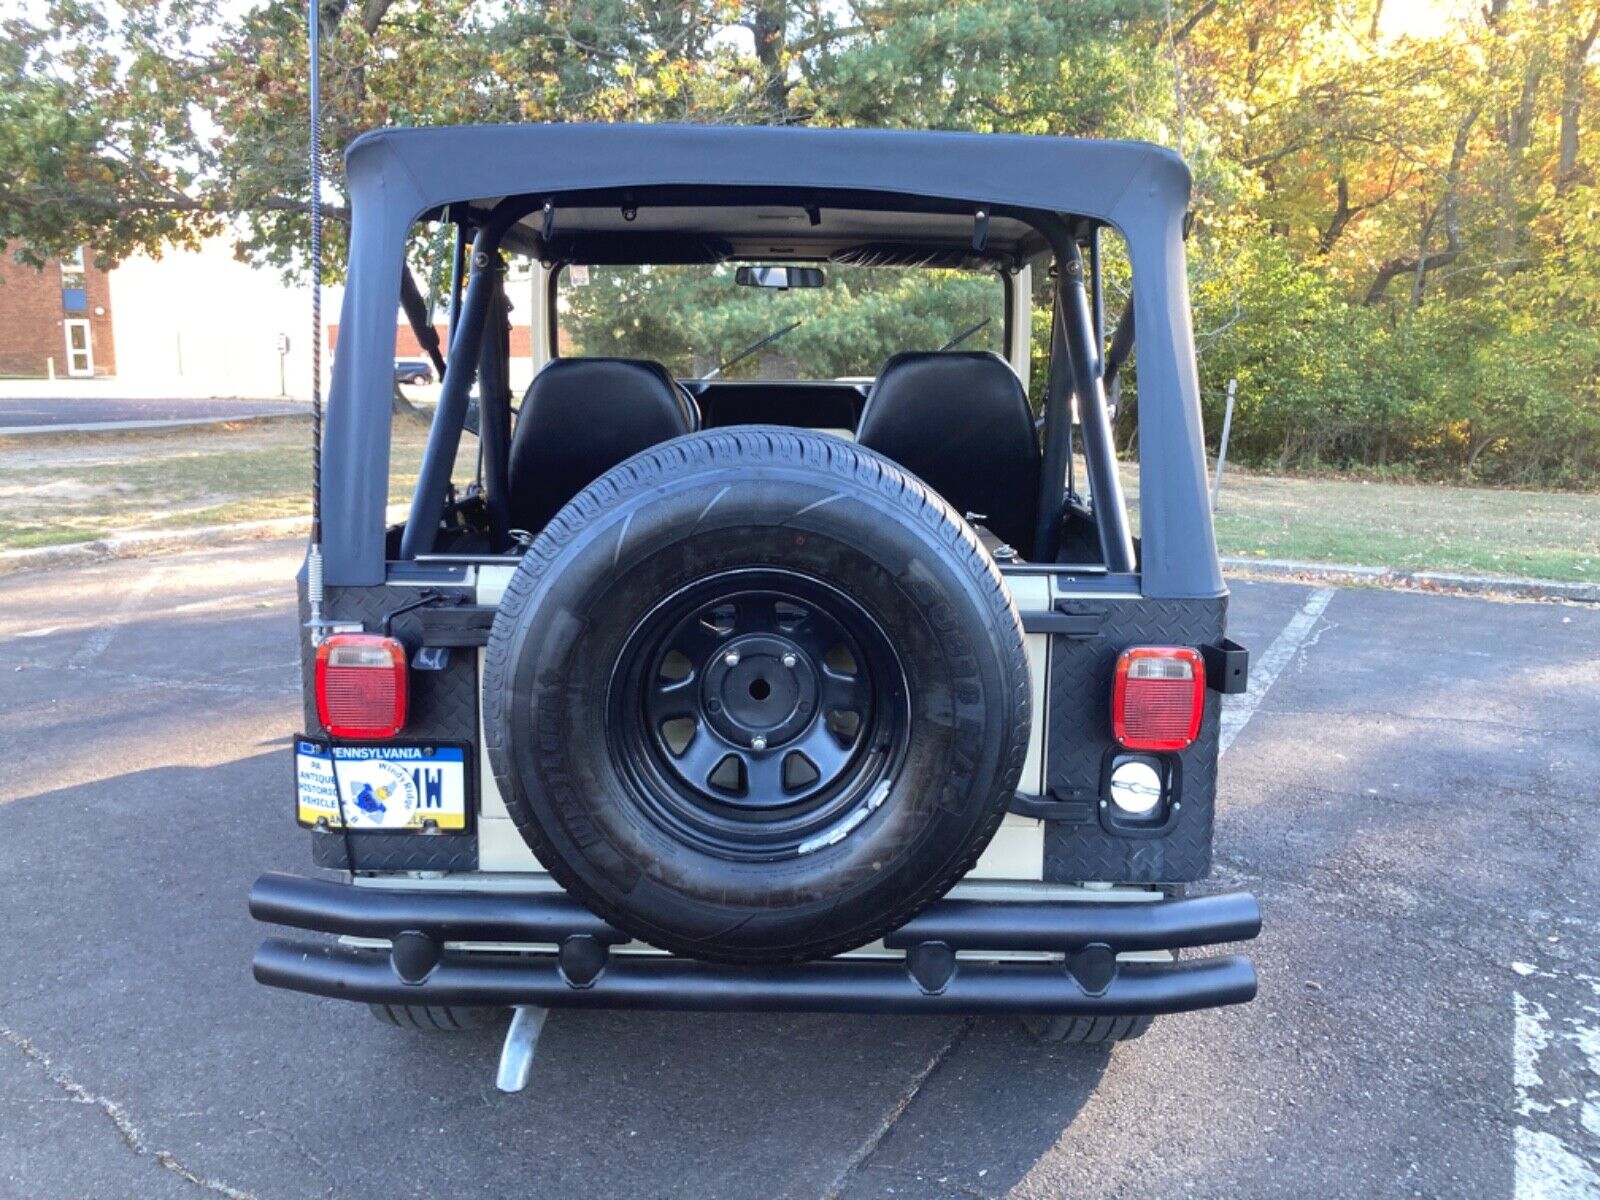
[
  {"x": 756, "y": 696},
  {"x": 755, "y": 710}
]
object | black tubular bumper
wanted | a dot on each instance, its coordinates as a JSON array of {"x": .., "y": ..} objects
[{"x": 580, "y": 971}]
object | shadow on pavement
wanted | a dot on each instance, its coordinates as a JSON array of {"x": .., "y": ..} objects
[{"x": 128, "y": 948}]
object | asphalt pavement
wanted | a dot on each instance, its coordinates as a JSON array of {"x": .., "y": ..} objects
[{"x": 1410, "y": 791}]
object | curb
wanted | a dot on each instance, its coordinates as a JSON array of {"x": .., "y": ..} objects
[
  {"x": 1443, "y": 581},
  {"x": 152, "y": 541},
  {"x": 134, "y": 545}
]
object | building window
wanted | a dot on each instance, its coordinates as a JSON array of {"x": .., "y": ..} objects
[{"x": 74, "y": 284}]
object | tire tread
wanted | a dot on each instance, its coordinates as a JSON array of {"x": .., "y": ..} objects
[
  {"x": 436, "y": 1018},
  {"x": 824, "y": 456},
  {"x": 1086, "y": 1031}
]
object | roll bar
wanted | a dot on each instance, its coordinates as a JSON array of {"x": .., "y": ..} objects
[
  {"x": 464, "y": 366},
  {"x": 1075, "y": 354},
  {"x": 1074, "y": 349}
]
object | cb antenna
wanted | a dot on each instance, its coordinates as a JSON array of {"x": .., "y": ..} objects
[{"x": 314, "y": 555}]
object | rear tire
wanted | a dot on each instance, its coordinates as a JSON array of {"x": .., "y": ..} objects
[
  {"x": 437, "y": 1018},
  {"x": 1085, "y": 1031}
]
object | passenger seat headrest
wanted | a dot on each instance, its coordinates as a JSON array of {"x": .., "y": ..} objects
[{"x": 961, "y": 422}]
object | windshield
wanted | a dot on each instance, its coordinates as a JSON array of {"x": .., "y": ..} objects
[{"x": 694, "y": 319}]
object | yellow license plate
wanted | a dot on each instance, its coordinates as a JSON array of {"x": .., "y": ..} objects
[{"x": 395, "y": 789}]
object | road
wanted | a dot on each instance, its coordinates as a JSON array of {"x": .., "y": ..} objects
[
  {"x": 1412, "y": 798},
  {"x": 80, "y": 412}
]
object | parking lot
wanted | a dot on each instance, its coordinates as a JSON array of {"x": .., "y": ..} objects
[{"x": 1410, "y": 790}]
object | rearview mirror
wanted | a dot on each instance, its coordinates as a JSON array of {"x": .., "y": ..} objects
[{"x": 782, "y": 278}]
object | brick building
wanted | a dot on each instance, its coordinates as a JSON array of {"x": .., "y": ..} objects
[
  {"x": 57, "y": 318},
  {"x": 194, "y": 322}
]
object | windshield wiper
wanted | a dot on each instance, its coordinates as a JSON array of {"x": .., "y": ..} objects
[
  {"x": 964, "y": 335},
  {"x": 754, "y": 346}
]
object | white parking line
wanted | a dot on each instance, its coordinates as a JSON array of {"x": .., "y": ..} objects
[
  {"x": 1237, "y": 710},
  {"x": 111, "y": 621},
  {"x": 1556, "y": 1073}
]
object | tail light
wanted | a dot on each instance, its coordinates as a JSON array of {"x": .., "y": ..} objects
[
  {"x": 1158, "y": 697},
  {"x": 361, "y": 685}
]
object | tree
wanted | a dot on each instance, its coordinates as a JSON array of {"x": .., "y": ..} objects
[
  {"x": 1423, "y": 189},
  {"x": 695, "y": 318}
]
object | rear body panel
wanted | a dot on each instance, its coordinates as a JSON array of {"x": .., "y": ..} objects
[
  {"x": 1068, "y": 747},
  {"x": 443, "y": 706},
  {"x": 1017, "y": 851},
  {"x": 1079, "y": 746}
]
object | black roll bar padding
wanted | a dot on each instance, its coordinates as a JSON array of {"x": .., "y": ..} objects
[
  {"x": 444, "y": 437},
  {"x": 416, "y": 310},
  {"x": 1074, "y": 335},
  {"x": 1097, "y": 287},
  {"x": 1099, "y": 451},
  {"x": 1057, "y": 444},
  {"x": 494, "y": 407}
]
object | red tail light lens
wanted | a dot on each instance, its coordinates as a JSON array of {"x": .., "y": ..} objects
[
  {"x": 361, "y": 685},
  {"x": 1158, "y": 697}
]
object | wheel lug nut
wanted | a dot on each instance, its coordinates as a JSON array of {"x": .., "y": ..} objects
[
  {"x": 731, "y": 658},
  {"x": 789, "y": 661},
  {"x": 758, "y": 743}
]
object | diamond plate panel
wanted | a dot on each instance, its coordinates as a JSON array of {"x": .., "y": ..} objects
[
  {"x": 443, "y": 705},
  {"x": 1078, "y": 736},
  {"x": 395, "y": 852}
]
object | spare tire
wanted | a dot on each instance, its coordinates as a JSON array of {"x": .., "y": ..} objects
[{"x": 756, "y": 696}]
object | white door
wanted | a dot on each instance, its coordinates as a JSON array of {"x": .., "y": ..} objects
[{"x": 80, "y": 352}]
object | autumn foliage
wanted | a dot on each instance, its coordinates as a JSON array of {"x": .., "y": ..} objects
[{"x": 1397, "y": 243}]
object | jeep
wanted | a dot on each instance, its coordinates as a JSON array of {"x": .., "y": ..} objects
[{"x": 820, "y": 670}]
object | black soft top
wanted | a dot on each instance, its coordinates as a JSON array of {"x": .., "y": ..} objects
[
  {"x": 1110, "y": 181},
  {"x": 936, "y": 181}
]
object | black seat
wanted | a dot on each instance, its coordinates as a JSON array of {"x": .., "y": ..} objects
[
  {"x": 961, "y": 422},
  {"x": 580, "y": 418}
]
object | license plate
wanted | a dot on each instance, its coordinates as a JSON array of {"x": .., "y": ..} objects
[{"x": 398, "y": 789}]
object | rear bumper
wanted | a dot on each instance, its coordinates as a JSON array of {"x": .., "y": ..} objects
[{"x": 576, "y": 968}]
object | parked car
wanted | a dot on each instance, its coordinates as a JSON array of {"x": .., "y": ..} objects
[
  {"x": 698, "y": 689},
  {"x": 413, "y": 371}
]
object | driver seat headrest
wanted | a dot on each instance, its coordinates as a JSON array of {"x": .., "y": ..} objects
[{"x": 581, "y": 417}]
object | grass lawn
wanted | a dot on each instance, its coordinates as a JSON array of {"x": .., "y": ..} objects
[
  {"x": 79, "y": 487},
  {"x": 1544, "y": 535}
]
